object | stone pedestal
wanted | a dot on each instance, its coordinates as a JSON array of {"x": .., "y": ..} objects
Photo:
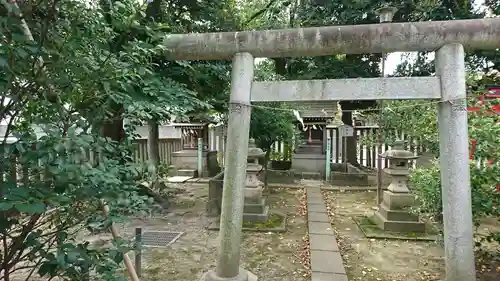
[
  {"x": 394, "y": 211},
  {"x": 187, "y": 159},
  {"x": 255, "y": 208},
  {"x": 393, "y": 214}
]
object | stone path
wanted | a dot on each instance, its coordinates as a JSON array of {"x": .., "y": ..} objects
[{"x": 326, "y": 261}]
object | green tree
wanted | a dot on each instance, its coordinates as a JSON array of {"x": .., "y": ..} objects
[
  {"x": 67, "y": 86},
  {"x": 271, "y": 122}
]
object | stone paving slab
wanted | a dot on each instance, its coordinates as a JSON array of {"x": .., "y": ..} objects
[
  {"x": 318, "y": 217},
  {"x": 324, "y": 276},
  {"x": 316, "y": 208},
  {"x": 323, "y": 242},
  {"x": 315, "y": 200},
  {"x": 312, "y": 191},
  {"x": 327, "y": 261},
  {"x": 320, "y": 228}
]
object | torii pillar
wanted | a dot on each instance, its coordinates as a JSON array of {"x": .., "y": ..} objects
[{"x": 233, "y": 192}]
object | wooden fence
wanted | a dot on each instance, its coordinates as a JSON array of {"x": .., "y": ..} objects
[
  {"x": 367, "y": 155},
  {"x": 166, "y": 147}
]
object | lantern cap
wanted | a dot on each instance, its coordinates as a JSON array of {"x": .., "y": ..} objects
[
  {"x": 253, "y": 151},
  {"x": 398, "y": 152},
  {"x": 386, "y": 12}
]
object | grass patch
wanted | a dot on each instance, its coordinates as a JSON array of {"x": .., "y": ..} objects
[
  {"x": 273, "y": 221},
  {"x": 371, "y": 230},
  {"x": 276, "y": 222}
]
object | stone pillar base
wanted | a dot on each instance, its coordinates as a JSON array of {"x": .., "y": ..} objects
[
  {"x": 244, "y": 275},
  {"x": 393, "y": 214}
]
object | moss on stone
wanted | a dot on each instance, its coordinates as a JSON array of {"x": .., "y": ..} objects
[
  {"x": 371, "y": 230},
  {"x": 273, "y": 221}
]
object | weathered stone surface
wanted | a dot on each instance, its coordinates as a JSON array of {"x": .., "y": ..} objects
[
  {"x": 316, "y": 207},
  {"x": 338, "y": 90},
  {"x": 327, "y": 261},
  {"x": 324, "y": 276},
  {"x": 398, "y": 226},
  {"x": 188, "y": 160},
  {"x": 398, "y": 201},
  {"x": 310, "y": 165},
  {"x": 320, "y": 228},
  {"x": 313, "y": 193},
  {"x": 322, "y": 41},
  {"x": 323, "y": 242},
  {"x": 315, "y": 200},
  {"x": 318, "y": 217}
]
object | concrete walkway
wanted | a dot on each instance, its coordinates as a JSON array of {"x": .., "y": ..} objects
[{"x": 326, "y": 261}]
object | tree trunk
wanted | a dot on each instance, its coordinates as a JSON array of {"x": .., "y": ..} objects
[
  {"x": 153, "y": 149},
  {"x": 351, "y": 142}
]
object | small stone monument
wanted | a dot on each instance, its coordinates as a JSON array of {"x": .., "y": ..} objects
[
  {"x": 255, "y": 208},
  {"x": 393, "y": 213}
]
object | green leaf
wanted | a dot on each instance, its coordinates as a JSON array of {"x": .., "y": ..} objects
[
  {"x": 47, "y": 268},
  {"x": 30, "y": 208},
  {"x": 4, "y": 63},
  {"x": 4, "y": 206}
]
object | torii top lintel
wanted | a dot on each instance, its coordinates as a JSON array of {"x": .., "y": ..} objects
[{"x": 321, "y": 41}]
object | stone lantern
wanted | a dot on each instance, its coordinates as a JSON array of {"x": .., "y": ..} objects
[
  {"x": 393, "y": 213},
  {"x": 386, "y": 13},
  {"x": 255, "y": 208}
]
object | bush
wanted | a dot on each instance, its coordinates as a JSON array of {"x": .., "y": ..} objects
[{"x": 426, "y": 185}]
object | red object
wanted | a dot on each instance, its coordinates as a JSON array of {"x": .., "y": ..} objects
[
  {"x": 494, "y": 109},
  {"x": 494, "y": 95},
  {"x": 473, "y": 149}
]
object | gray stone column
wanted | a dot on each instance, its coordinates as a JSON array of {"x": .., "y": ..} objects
[
  {"x": 228, "y": 262},
  {"x": 455, "y": 177}
]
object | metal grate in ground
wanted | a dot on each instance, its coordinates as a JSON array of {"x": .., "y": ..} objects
[{"x": 160, "y": 239}]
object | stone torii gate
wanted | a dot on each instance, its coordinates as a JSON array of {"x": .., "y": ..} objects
[{"x": 447, "y": 38}]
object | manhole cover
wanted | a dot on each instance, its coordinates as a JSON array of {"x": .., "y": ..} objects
[{"x": 159, "y": 238}]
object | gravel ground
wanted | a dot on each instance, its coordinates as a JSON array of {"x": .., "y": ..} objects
[
  {"x": 375, "y": 259},
  {"x": 271, "y": 256}
]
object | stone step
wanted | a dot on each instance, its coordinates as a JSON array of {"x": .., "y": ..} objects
[
  {"x": 259, "y": 217},
  {"x": 255, "y": 207},
  {"x": 319, "y": 157},
  {"x": 311, "y": 145},
  {"x": 397, "y": 215},
  {"x": 314, "y": 142},
  {"x": 317, "y": 149},
  {"x": 187, "y": 173},
  {"x": 310, "y": 148},
  {"x": 398, "y": 226},
  {"x": 308, "y": 151}
]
